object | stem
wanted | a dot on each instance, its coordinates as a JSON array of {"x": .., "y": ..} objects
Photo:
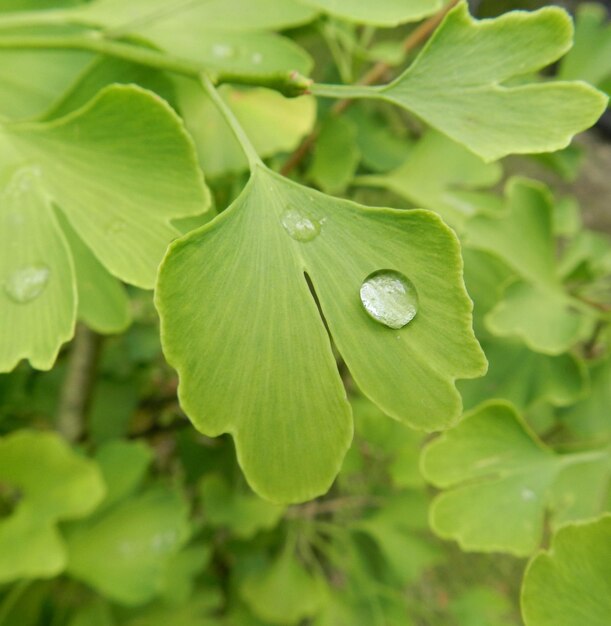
[
  {"x": 78, "y": 384},
  {"x": 584, "y": 457},
  {"x": 27, "y": 19},
  {"x": 344, "y": 91},
  {"x": 251, "y": 154}
]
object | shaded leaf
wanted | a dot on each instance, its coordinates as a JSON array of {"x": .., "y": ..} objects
[{"x": 570, "y": 585}]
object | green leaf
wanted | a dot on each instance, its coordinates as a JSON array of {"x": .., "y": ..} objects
[
  {"x": 240, "y": 15},
  {"x": 590, "y": 57},
  {"x": 498, "y": 478},
  {"x": 452, "y": 89},
  {"x": 45, "y": 482},
  {"x": 435, "y": 170},
  {"x": 285, "y": 592},
  {"x": 336, "y": 155},
  {"x": 273, "y": 123},
  {"x": 122, "y": 552},
  {"x": 38, "y": 297},
  {"x": 291, "y": 422},
  {"x": 526, "y": 378},
  {"x": 481, "y": 606},
  {"x": 242, "y": 513},
  {"x": 382, "y": 13},
  {"x": 570, "y": 585},
  {"x": 103, "y": 303},
  {"x": 536, "y": 308},
  {"x": 120, "y": 169}
]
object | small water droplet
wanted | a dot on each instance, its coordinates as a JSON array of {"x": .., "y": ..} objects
[
  {"x": 257, "y": 58},
  {"x": 390, "y": 298},
  {"x": 223, "y": 51},
  {"x": 299, "y": 225},
  {"x": 528, "y": 494},
  {"x": 27, "y": 283}
]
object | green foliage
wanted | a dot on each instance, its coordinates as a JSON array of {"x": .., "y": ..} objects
[{"x": 318, "y": 339}]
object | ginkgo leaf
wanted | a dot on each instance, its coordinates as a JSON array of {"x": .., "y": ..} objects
[
  {"x": 536, "y": 308},
  {"x": 525, "y": 378},
  {"x": 243, "y": 513},
  {"x": 123, "y": 551},
  {"x": 38, "y": 297},
  {"x": 570, "y": 585},
  {"x": 273, "y": 123},
  {"x": 590, "y": 57},
  {"x": 434, "y": 171},
  {"x": 240, "y": 15},
  {"x": 251, "y": 373},
  {"x": 120, "y": 169},
  {"x": 451, "y": 87},
  {"x": 103, "y": 303},
  {"x": 497, "y": 476},
  {"x": 382, "y": 13},
  {"x": 47, "y": 482},
  {"x": 285, "y": 592}
]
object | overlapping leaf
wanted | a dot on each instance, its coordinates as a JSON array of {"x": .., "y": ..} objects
[
  {"x": 44, "y": 482},
  {"x": 535, "y": 307},
  {"x": 498, "y": 478},
  {"x": 458, "y": 84},
  {"x": 382, "y": 13},
  {"x": 242, "y": 328},
  {"x": 570, "y": 585},
  {"x": 119, "y": 169}
]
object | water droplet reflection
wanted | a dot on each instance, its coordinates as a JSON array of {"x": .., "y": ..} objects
[
  {"x": 299, "y": 225},
  {"x": 27, "y": 283},
  {"x": 390, "y": 298}
]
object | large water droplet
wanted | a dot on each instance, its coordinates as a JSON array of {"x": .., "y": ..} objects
[
  {"x": 299, "y": 225},
  {"x": 223, "y": 51},
  {"x": 27, "y": 283},
  {"x": 390, "y": 298}
]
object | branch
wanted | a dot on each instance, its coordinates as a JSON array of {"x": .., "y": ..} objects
[{"x": 77, "y": 389}]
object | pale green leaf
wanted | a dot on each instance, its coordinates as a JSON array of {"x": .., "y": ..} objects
[
  {"x": 273, "y": 124},
  {"x": 570, "y": 585},
  {"x": 285, "y": 592},
  {"x": 590, "y": 57},
  {"x": 434, "y": 171},
  {"x": 38, "y": 297},
  {"x": 526, "y": 378},
  {"x": 240, "y": 15},
  {"x": 243, "y": 513},
  {"x": 120, "y": 169},
  {"x": 497, "y": 476},
  {"x": 103, "y": 303},
  {"x": 252, "y": 259},
  {"x": 336, "y": 155},
  {"x": 48, "y": 483},
  {"x": 122, "y": 552},
  {"x": 456, "y": 84},
  {"x": 382, "y": 13}
]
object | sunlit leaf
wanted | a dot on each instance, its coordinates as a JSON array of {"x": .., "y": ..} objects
[
  {"x": 570, "y": 585},
  {"x": 252, "y": 259},
  {"x": 453, "y": 89}
]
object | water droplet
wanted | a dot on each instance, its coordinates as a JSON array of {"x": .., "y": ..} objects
[
  {"x": 528, "y": 494},
  {"x": 257, "y": 58},
  {"x": 299, "y": 225},
  {"x": 27, "y": 283},
  {"x": 223, "y": 51},
  {"x": 390, "y": 298}
]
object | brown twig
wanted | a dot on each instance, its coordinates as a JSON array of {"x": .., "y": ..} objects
[
  {"x": 77, "y": 389},
  {"x": 417, "y": 37}
]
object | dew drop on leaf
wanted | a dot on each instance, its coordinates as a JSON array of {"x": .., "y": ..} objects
[
  {"x": 299, "y": 225},
  {"x": 27, "y": 283},
  {"x": 390, "y": 298}
]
